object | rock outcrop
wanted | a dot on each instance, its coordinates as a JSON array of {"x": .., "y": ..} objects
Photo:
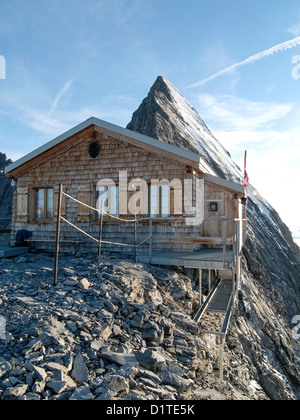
[
  {"x": 6, "y": 194},
  {"x": 127, "y": 335}
]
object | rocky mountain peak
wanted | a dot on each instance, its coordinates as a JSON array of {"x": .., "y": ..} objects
[
  {"x": 166, "y": 115},
  {"x": 157, "y": 115}
]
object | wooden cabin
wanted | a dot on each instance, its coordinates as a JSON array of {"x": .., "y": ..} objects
[{"x": 96, "y": 150}]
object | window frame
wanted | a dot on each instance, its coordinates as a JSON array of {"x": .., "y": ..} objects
[
  {"x": 109, "y": 204},
  {"x": 213, "y": 203},
  {"x": 45, "y": 218},
  {"x": 160, "y": 205}
]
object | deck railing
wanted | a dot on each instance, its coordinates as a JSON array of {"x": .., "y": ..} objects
[{"x": 235, "y": 241}]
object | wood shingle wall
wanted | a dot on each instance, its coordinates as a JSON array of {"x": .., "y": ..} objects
[{"x": 70, "y": 164}]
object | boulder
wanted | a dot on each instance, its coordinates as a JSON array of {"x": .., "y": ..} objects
[
  {"x": 120, "y": 359},
  {"x": 84, "y": 284},
  {"x": 82, "y": 393},
  {"x": 15, "y": 392},
  {"x": 39, "y": 373},
  {"x": 151, "y": 360},
  {"x": 4, "y": 368},
  {"x": 79, "y": 372}
]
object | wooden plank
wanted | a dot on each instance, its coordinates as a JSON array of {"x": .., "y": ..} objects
[
  {"x": 22, "y": 202},
  {"x": 199, "y": 240},
  {"x": 84, "y": 195},
  {"x": 206, "y": 258},
  {"x": 58, "y": 233},
  {"x": 53, "y": 241}
]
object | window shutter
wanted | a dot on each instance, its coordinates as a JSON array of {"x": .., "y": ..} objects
[
  {"x": 84, "y": 195},
  {"x": 22, "y": 204},
  {"x": 176, "y": 198},
  {"x": 31, "y": 203}
]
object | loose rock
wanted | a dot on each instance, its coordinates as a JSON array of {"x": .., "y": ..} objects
[
  {"x": 113, "y": 337},
  {"x": 79, "y": 372}
]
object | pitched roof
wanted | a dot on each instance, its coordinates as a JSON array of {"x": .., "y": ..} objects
[
  {"x": 179, "y": 154},
  {"x": 185, "y": 156}
]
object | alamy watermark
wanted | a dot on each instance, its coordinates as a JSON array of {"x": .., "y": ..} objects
[
  {"x": 2, "y": 328},
  {"x": 296, "y": 68},
  {"x": 154, "y": 198},
  {"x": 2, "y": 67}
]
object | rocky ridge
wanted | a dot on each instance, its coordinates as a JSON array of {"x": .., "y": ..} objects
[
  {"x": 115, "y": 331},
  {"x": 109, "y": 330}
]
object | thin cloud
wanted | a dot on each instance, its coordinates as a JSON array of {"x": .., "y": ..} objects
[
  {"x": 233, "y": 113},
  {"x": 256, "y": 57},
  {"x": 59, "y": 96},
  {"x": 295, "y": 29}
]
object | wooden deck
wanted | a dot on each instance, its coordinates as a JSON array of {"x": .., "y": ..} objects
[{"x": 205, "y": 259}]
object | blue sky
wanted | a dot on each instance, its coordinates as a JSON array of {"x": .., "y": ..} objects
[{"x": 67, "y": 60}]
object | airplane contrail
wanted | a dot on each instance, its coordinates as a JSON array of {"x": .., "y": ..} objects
[
  {"x": 256, "y": 57},
  {"x": 59, "y": 96}
]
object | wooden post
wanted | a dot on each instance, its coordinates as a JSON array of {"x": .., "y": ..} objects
[
  {"x": 234, "y": 243},
  {"x": 135, "y": 239},
  {"x": 100, "y": 231},
  {"x": 209, "y": 280},
  {"x": 224, "y": 241},
  {"x": 57, "y": 233},
  {"x": 150, "y": 240}
]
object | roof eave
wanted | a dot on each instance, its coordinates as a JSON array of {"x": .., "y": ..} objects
[
  {"x": 193, "y": 158},
  {"x": 235, "y": 187}
]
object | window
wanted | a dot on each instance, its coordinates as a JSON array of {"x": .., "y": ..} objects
[
  {"x": 154, "y": 201},
  {"x": 108, "y": 197},
  {"x": 43, "y": 208},
  {"x": 94, "y": 150},
  {"x": 165, "y": 201},
  {"x": 159, "y": 201},
  {"x": 213, "y": 207}
]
